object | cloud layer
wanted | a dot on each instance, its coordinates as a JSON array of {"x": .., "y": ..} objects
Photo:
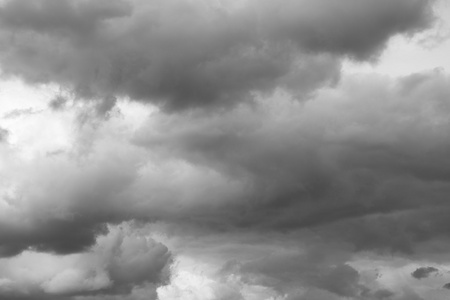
[
  {"x": 220, "y": 151},
  {"x": 353, "y": 165},
  {"x": 181, "y": 54}
]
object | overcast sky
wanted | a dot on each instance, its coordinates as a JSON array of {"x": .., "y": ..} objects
[{"x": 224, "y": 149}]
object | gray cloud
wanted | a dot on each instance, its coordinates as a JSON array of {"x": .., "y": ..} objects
[
  {"x": 20, "y": 112},
  {"x": 278, "y": 166},
  {"x": 66, "y": 221},
  {"x": 3, "y": 134},
  {"x": 121, "y": 262},
  {"x": 283, "y": 271},
  {"x": 316, "y": 269},
  {"x": 297, "y": 166},
  {"x": 181, "y": 54},
  {"x": 351, "y": 28},
  {"x": 383, "y": 294},
  {"x": 80, "y": 18},
  {"x": 285, "y": 194},
  {"x": 424, "y": 272},
  {"x": 50, "y": 236},
  {"x": 58, "y": 102}
]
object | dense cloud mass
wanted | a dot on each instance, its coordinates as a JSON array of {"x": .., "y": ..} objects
[
  {"x": 305, "y": 165},
  {"x": 181, "y": 54},
  {"x": 220, "y": 150},
  {"x": 353, "y": 165}
]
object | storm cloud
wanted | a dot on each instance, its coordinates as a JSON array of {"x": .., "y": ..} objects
[
  {"x": 356, "y": 177},
  {"x": 304, "y": 166},
  {"x": 182, "y": 54},
  {"x": 220, "y": 150}
]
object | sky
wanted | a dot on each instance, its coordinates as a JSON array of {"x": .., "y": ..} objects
[{"x": 224, "y": 149}]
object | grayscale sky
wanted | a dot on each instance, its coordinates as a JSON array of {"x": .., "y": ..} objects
[{"x": 224, "y": 149}]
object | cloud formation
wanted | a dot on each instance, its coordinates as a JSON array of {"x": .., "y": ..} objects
[
  {"x": 118, "y": 262},
  {"x": 278, "y": 160},
  {"x": 181, "y": 54},
  {"x": 319, "y": 163},
  {"x": 174, "y": 160},
  {"x": 352, "y": 166}
]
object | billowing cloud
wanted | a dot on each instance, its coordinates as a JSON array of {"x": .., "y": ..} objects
[
  {"x": 172, "y": 159},
  {"x": 181, "y": 54},
  {"x": 119, "y": 261},
  {"x": 274, "y": 168},
  {"x": 349, "y": 168}
]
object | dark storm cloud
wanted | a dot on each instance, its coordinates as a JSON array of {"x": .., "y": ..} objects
[
  {"x": 182, "y": 54},
  {"x": 62, "y": 237},
  {"x": 363, "y": 166},
  {"x": 352, "y": 168},
  {"x": 363, "y": 159},
  {"x": 424, "y": 272},
  {"x": 360, "y": 157},
  {"x": 355, "y": 28}
]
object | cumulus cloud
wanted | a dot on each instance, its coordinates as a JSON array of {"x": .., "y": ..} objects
[
  {"x": 119, "y": 262},
  {"x": 182, "y": 54}
]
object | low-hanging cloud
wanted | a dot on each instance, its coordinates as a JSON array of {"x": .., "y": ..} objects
[{"x": 182, "y": 54}]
